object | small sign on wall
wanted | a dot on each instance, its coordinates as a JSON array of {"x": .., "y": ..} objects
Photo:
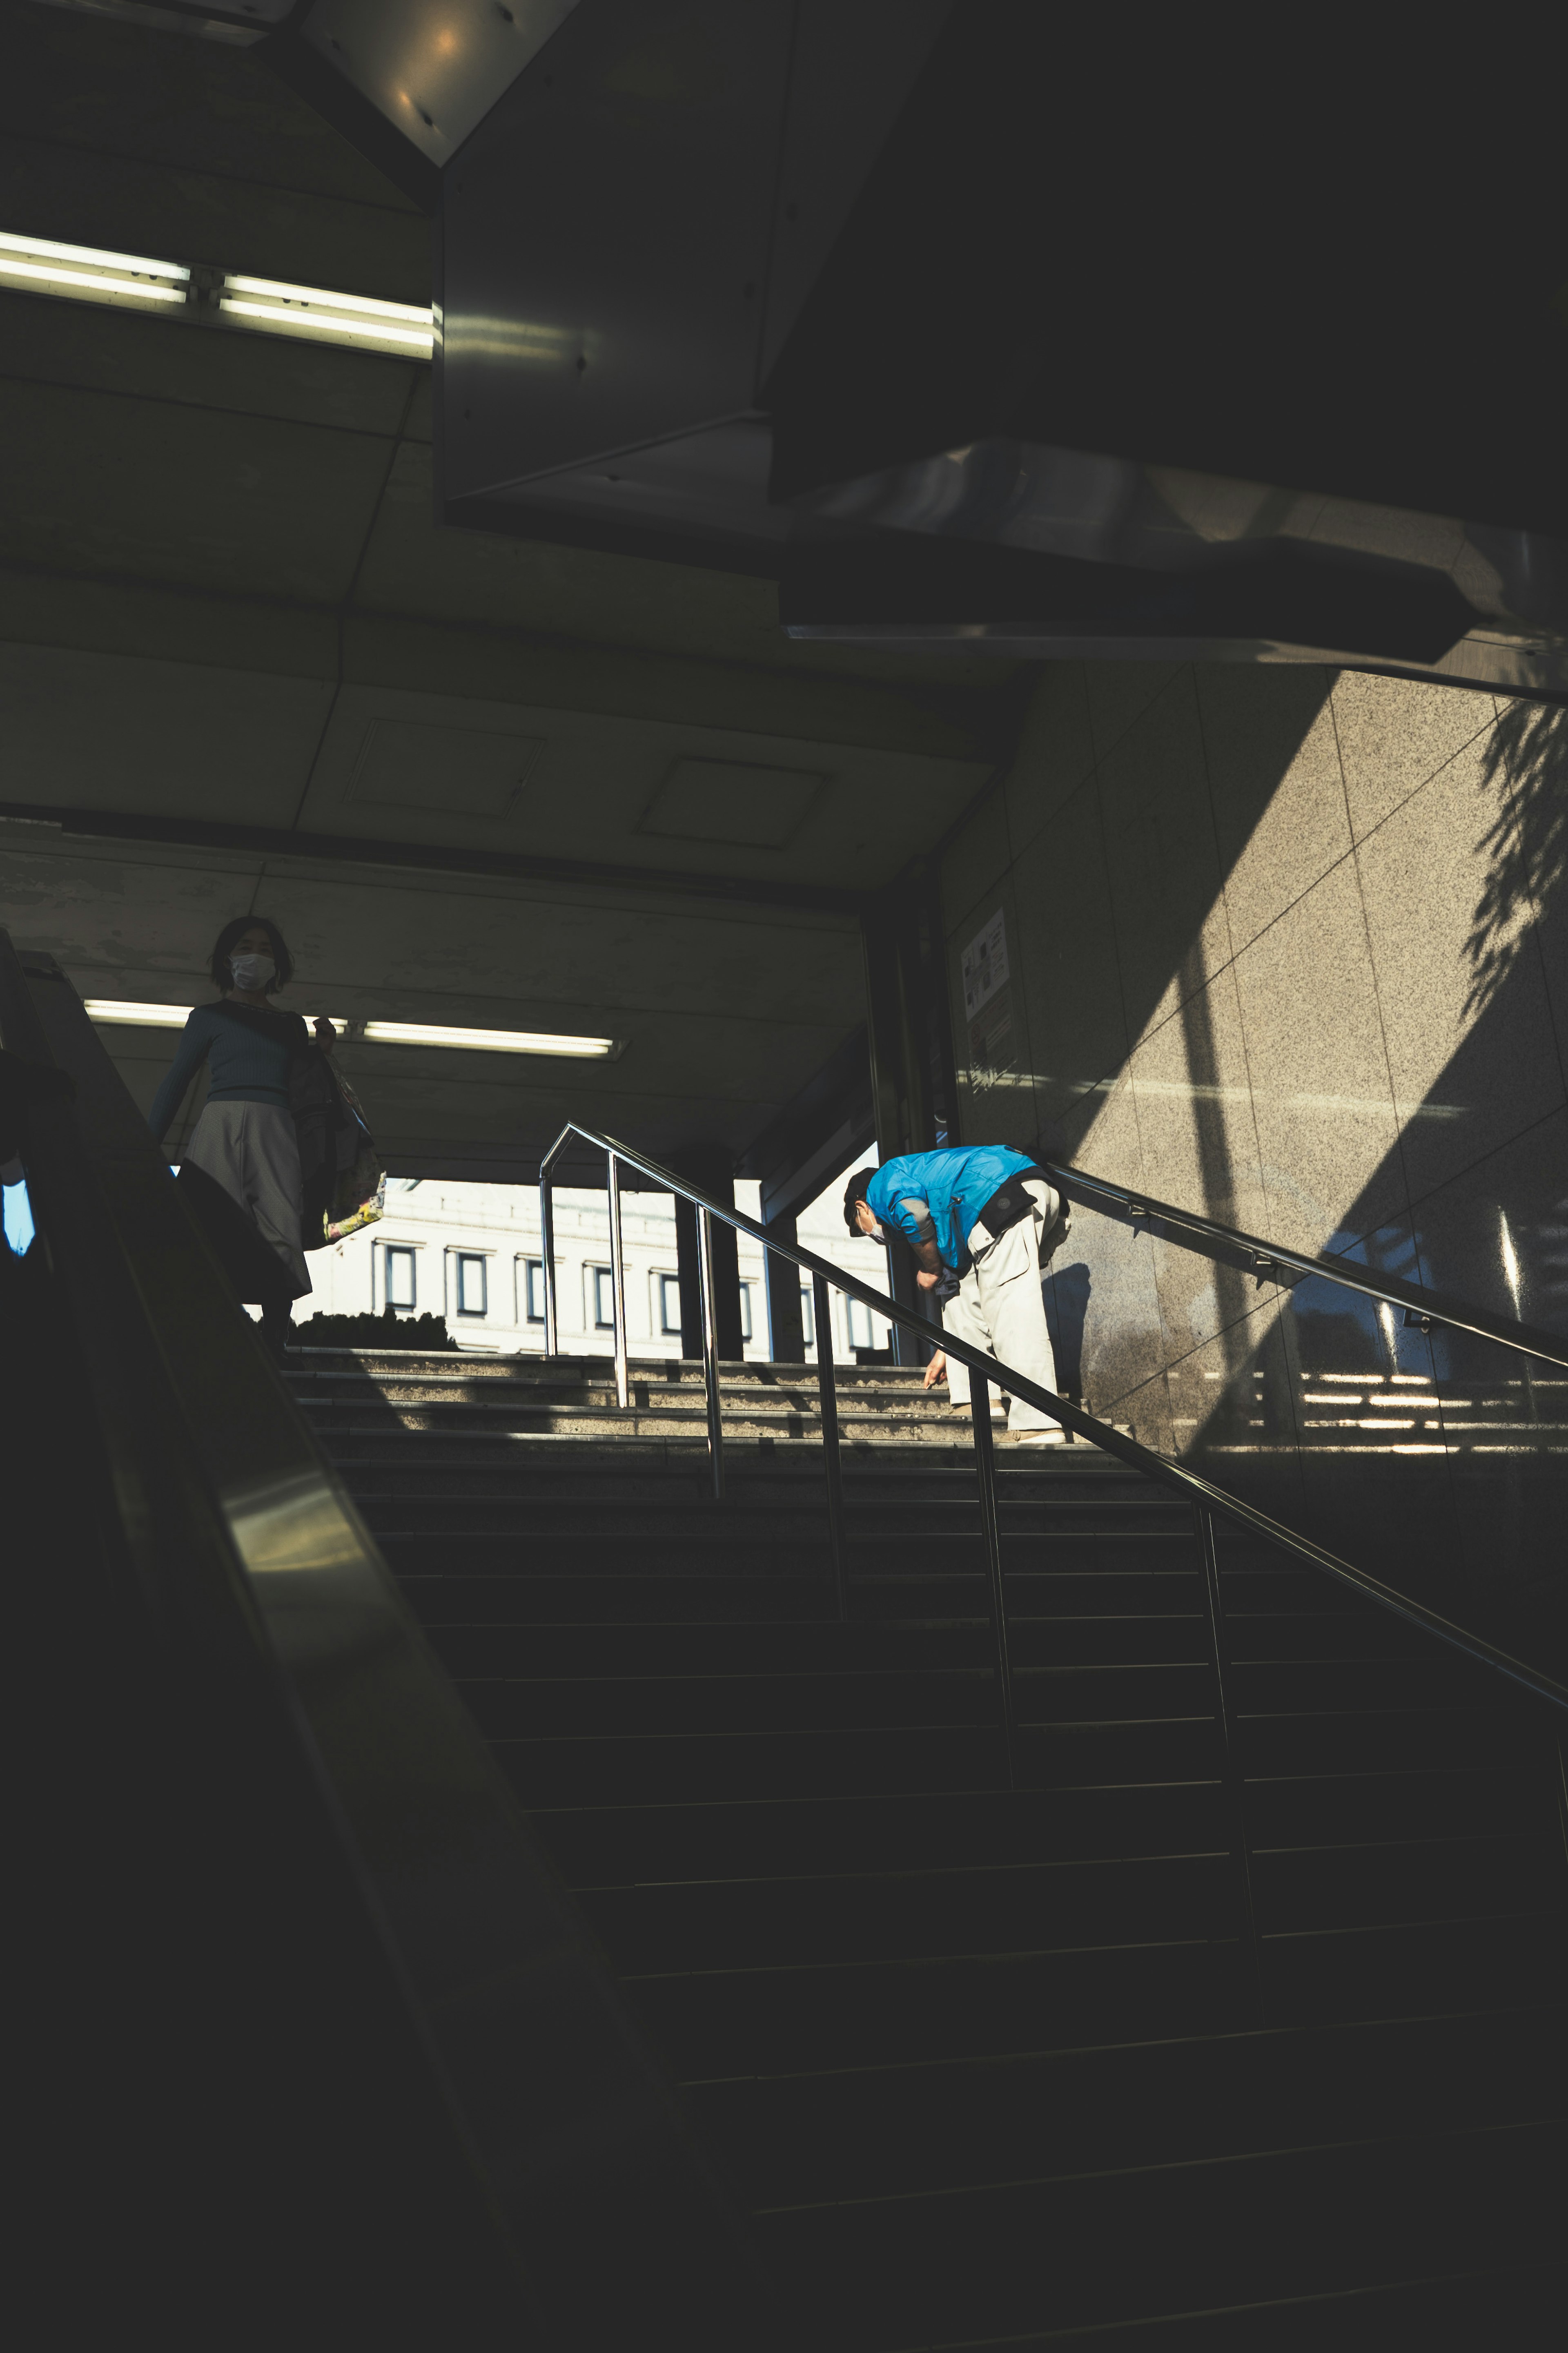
[{"x": 984, "y": 965}]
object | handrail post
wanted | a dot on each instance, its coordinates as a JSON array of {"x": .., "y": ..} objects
[
  {"x": 618, "y": 1286},
  {"x": 991, "y": 1527},
  {"x": 826, "y": 1390},
  {"x": 547, "y": 1247},
  {"x": 1235, "y": 1790},
  {"x": 711, "y": 1350}
]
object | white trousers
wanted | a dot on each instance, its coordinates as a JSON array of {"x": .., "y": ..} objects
[
  {"x": 251, "y": 1149},
  {"x": 1000, "y": 1308}
]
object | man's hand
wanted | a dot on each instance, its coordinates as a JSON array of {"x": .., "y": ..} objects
[
  {"x": 936, "y": 1371},
  {"x": 928, "y": 1281}
]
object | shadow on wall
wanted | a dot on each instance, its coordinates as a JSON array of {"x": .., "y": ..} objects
[
  {"x": 1313, "y": 935},
  {"x": 1526, "y": 844},
  {"x": 1067, "y": 1290},
  {"x": 1440, "y": 1462}
]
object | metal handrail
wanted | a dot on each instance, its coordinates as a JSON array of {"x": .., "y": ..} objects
[
  {"x": 1265, "y": 1260},
  {"x": 1201, "y": 1493}
]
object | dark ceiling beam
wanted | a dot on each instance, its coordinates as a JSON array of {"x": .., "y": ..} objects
[{"x": 351, "y": 849}]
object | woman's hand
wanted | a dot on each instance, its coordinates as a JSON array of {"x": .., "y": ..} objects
[
  {"x": 936, "y": 1371},
  {"x": 325, "y": 1034}
]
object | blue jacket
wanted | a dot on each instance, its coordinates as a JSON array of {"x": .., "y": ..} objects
[{"x": 955, "y": 1187}]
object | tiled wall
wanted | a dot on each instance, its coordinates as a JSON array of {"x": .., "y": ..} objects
[{"x": 1289, "y": 948}]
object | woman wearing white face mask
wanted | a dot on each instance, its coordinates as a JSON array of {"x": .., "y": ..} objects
[{"x": 244, "y": 1141}]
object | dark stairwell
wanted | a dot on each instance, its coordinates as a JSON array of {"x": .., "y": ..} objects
[{"x": 989, "y": 2064}]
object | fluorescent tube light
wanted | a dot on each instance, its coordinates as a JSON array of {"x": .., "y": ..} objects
[
  {"x": 318, "y": 297},
  {"x": 381, "y": 1033},
  {"x": 489, "y": 1041},
  {"x": 314, "y": 311},
  {"x": 146, "y": 1017},
  {"x": 39, "y": 265}
]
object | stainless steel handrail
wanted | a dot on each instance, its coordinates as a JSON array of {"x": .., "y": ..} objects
[
  {"x": 1201, "y": 1493},
  {"x": 560, "y": 2113},
  {"x": 1212, "y": 1240}
]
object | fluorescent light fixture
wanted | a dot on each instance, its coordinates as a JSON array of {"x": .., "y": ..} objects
[
  {"x": 489, "y": 1042},
  {"x": 37, "y": 265},
  {"x": 381, "y": 1033},
  {"x": 271, "y": 307},
  {"x": 146, "y": 1017}
]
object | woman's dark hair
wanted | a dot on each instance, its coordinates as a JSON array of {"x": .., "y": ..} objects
[{"x": 230, "y": 937}]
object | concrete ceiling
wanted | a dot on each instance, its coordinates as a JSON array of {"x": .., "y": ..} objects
[{"x": 223, "y": 603}]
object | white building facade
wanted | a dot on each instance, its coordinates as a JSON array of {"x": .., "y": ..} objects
[{"x": 472, "y": 1253}]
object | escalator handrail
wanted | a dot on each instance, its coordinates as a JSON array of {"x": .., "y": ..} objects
[
  {"x": 1162, "y": 1468},
  {"x": 1227, "y": 1244}
]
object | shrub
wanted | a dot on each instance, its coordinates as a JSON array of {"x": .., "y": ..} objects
[{"x": 387, "y": 1330}]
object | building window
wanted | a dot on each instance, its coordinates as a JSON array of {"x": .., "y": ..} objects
[
  {"x": 603, "y": 1299},
  {"x": 860, "y": 1331},
  {"x": 533, "y": 1290},
  {"x": 670, "y": 1304},
  {"x": 807, "y": 1317},
  {"x": 745, "y": 1311},
  {"x": 471, "y": 1287},
  {"x": 399, "y": 1267}
]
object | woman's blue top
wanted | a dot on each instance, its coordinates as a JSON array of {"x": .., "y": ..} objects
[{"x": 248, "y": 1051}]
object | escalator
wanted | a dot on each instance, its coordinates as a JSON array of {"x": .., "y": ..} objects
[
  {"x": 324, "y": 2050},
  {"x": 1209, "y": 1992}
]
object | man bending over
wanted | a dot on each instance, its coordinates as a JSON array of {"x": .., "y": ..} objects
[{"x": 981, "y": 1222}]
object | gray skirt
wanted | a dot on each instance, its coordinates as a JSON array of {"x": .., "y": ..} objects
[{"x": 252, "y": 1151}]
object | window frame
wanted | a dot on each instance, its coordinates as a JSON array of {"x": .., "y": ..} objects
[
  {"x": 390, "y": 1250},
  {"x": 467, "y": 1258},
  {"x": 667, "y": 1331},
  {"x": 532, "y": 1267},
  {"x": 605, "y": 1274}
]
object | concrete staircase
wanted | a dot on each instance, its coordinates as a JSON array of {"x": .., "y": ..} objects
[
  {"x": 474, "y": 1402},
  {"x": 993, "y": 2064}
]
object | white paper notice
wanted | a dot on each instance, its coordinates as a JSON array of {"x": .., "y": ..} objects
[{"x": 984, "y": 965}]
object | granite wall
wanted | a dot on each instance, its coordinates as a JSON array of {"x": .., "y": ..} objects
[{"x": 1289, "y": 946}]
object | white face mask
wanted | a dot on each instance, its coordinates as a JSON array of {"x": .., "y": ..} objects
[{"x": 252, "y": 971}]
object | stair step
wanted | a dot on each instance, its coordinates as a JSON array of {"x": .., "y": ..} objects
[
  {"x": 768, "y": 2021},
  {"x": 603, "y": 1846},
  {"x": 848, "y": 1698},
  {"x": 602, "y": 1588},
  {"x": 898, "y": 2131},
  {"x": 614, "y": 1768},
  {"x": 914, "y": 1916},
  {"x": 1132, "y": 2243},
  {"x": 801, "y": 1645}
]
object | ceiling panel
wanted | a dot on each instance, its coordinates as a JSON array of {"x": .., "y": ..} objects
[
  {"x": 595, "y": 782},
  {"x": 44, "y": 339},
  {"x": 151, "y": 491},
  {"x": 107, "y": 732}
]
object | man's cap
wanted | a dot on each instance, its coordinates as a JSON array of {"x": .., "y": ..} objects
[{"x": 854, "y": 1192}]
